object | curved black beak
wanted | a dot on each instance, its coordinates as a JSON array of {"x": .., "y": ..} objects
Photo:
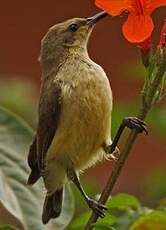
[{"x": 94, "y": 19}]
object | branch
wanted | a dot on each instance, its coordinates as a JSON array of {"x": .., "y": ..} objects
[{"x": 146, "y": 106}]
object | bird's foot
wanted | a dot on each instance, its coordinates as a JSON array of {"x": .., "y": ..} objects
[
  {"x": 111, "y": 155},
  {"x": 115, "y": 154},
  {"x": 135, "y": 123},
  {"x": 98, "y": 209}
]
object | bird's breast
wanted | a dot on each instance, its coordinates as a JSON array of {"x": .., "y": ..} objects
[{"x": 85, "y": 120}]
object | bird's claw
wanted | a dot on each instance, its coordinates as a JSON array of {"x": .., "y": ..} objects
[
  {"x": 115, "y": 154},
  {"x": 98, "y": 209},
  {"x": 135, "y": 123}
]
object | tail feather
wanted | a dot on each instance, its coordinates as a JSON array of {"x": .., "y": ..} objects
[{"x": 52, "y": 206}]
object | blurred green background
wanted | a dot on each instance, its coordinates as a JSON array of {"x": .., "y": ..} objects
[{"x": 23, "y": 24}]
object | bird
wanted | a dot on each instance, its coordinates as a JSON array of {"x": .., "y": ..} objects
[{"x": 74, "y": 114}]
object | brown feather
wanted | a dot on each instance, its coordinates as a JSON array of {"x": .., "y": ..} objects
[
  {"x": 49, "y": 112},
  {"x": 33, "y": 164},
  {"x": 32, "y": 155},
  {"x": 52, "y": 206}
]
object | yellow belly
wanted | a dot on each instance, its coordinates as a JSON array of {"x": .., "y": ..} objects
[{"x": 85, "y": 124}]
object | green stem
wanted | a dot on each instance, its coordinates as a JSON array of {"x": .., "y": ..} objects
[{"x": 131, "y": 139}]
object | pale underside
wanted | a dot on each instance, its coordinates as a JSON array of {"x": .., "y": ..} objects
[{"x": 85, "y": 121}]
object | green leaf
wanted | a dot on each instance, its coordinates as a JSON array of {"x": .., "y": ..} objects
[
  {"x": 6, "y": 227},
  {"x": 108, "y": 219},
  {"x": 22, "y": 201},
  {"x": 106, "y": 222},
  {"x": 156, "y": 220},
  {"x": 103, "y": 226},
  {"x": 123, "y": 201},
  {"x": 120, "y": 201},
  {"x": 125, "y": 209},
  {"x": 80, "y": 222},
  {"x": 125, "y": 219}
]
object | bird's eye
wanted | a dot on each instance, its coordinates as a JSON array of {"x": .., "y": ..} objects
[{"x": 73, "y": 27}]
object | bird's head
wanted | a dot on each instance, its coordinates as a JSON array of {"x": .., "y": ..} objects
[{"x": 73, "y": 33}]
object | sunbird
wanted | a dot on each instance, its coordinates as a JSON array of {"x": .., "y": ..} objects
[{"x": 74, "y": 125}]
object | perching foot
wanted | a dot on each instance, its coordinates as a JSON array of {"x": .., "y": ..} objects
[
  {"x": 98, "y": 209},
  {"x": 135, "y": 123},
  {"x": 112, "y": 155}
]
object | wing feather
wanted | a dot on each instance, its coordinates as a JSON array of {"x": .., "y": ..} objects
[{"x": 49, "y": 113}]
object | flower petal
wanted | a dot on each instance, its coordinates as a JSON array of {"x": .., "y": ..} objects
[
  {"x": 153, "y": 4},
  {"x": 137, "y": 28},
  {"x": 115, "y": 7}
]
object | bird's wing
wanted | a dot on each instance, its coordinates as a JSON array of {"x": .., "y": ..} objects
[
  {"x": 32, "y": 155},
  {"x": 33, "y": 163},
  {"x": 49, "y": 113}
]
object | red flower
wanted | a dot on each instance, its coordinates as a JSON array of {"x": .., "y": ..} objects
[
  {"x": 139, "y": 24},
  {"x": 162, "y": 42}
]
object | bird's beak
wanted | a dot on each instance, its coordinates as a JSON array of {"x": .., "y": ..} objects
[{"x": 94, "y": 19}]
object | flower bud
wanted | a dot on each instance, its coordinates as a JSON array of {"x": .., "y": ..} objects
[{"x": 162, "y": 42}]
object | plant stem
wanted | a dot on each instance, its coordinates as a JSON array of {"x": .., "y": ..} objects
[{"x": 131, "y": 138}]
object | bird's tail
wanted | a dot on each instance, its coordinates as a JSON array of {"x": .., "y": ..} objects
[{"x": 52, "y": 205}]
